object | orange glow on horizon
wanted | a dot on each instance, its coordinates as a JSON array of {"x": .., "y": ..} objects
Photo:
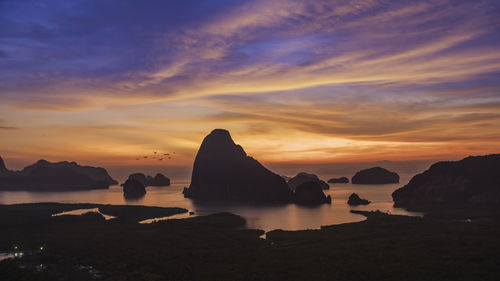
[{"x": 294, "y": 82}]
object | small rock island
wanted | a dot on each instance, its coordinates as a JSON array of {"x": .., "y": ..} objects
[
  {"x": 302, "y": 178},
  {"x": 471, "y": 182},
  {"x": 339, "y": 180},
  {"x": 133, "y": 188},
  {"x": 376, "y": 175},
  {"x": 54, "y": 176},
  {"x": 158, "y": 180},
  {"x": 223, "y": 171},
  {"x": 355, "y": 200}
]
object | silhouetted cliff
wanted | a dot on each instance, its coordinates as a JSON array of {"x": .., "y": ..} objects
[
  {"x": 472, "y": 181},
  {"x": 223, "y": 171}
]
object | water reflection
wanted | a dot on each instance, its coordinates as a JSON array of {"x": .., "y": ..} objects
[
  {"x": 172, "y": 217},
  {"x": 83, "y": 211},
  {"x": 266, "y": 217}
]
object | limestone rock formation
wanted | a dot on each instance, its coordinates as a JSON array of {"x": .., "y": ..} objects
[{"x": 223, "y": 171}]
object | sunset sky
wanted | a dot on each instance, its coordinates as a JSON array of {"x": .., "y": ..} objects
[{"x": 104, "y": 82}]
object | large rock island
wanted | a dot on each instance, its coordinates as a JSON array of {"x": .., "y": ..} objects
[
  {"x": 376, "y": 175},
  {"x": 223, "y": 171},
  {"x": 473, "y": 181},
  {"x": 60, "y": 176}
]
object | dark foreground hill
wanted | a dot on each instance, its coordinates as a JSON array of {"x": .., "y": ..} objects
[{"x": 216, "y": 247}]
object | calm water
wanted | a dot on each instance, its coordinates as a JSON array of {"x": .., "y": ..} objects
[{"x": 268, "y": 217}]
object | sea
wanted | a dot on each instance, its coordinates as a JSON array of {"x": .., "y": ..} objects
[{"x": 265, "y": 217}]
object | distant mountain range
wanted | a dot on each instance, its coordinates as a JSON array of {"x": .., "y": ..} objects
[{"x": 49, "y": 176}]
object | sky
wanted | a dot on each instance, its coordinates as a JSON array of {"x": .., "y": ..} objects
[{"x": 301, "y": 82}]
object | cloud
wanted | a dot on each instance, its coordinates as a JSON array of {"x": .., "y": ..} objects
[
  {"x": 365, "y": 114},
  {"x": 310, "y": 80},
  {"x": 250, "y": 47}
]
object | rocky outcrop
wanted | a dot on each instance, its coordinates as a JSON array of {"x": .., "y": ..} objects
[
  {"x": 133, "y": 189},
  {"x": 301, "y": 178},
  {"x": 339, "y": 180},
  {"x": 473, "y": 181},
  {"x": 223, "y": 171},
  {"x": 311, "y": 193},
  {"x": 60, "y": 176},
  {"x": 376, "y": 175},
  {"x": 158, "y": 180},
  {"x": 354, "y": 200}
]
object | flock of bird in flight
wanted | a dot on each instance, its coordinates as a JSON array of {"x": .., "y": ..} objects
[{"x": 156, "y": 155}]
